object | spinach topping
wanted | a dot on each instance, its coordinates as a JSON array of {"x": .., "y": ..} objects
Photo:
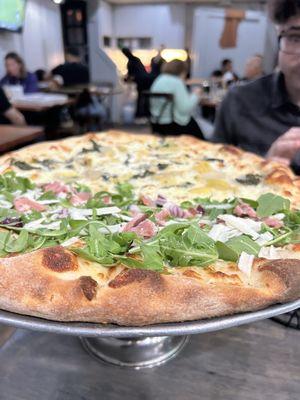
[
  {"x": 23, "y": 165},
  {"x": 250, "y": 179},
  {"x": 95, "y": 148}
]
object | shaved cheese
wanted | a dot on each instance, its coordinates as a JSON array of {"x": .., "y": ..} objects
[
  {"x": 82, "y": 213},
  {"x": 245, "y": 263},
  {"x": 244, "y": 225},
  {"x": 53, "y": 201},
  {"x": 224, "y": 206},
  {"x": 270, "y": 252},
  {"x": 279, "y": 216},
  {"x": 223, "y": 233},
  {"x": 34, "y": 224},
  {"x": 70, "y": 241},
  {"x": 33, "y": 194},
  {"x": 5, "y": 203},
  {"x": 41, "y": 223},
  {"x": 112, "y": 228},
  {"x": 264, "y": 238}
]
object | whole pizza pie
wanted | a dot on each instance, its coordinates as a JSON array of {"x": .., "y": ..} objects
[{"x": 140, "y": 229}]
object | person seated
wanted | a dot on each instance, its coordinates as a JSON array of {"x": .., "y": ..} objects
[
  {"x": 16, "y": 74},
  {"x": 174, "y": 119},
  {"x": 228, "y": 75},
  {"x": 254, "y": 68},
  {"x": 263, "y": 116},
  {"x": 9, "y": 114},
  {"x": 73, "y": 71}
]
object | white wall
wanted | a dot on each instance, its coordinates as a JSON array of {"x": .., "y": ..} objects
[
  {"x": 41, "y": 42},
  {"x": 164, "y": 23},
  {"x": 208, "y": 27},
  {"x": 106, "y": 17}
]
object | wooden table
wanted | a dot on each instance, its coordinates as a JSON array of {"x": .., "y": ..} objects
[{"x": 12, "y": 136}]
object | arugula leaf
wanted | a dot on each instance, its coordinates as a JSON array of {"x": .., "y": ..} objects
[
  {"x": 17, "y": 245},
  {"x": 10, "y": 182},
  {"x": 125, "y": 190},
  {"x": 226, "y": 253},
  {"x": 48, "y": 196},
  {"x": 151, "y": 259},
  {"x": 233, "y": 248},
  {"x": 187, "y": 245},
  {"x": 269, "y": 204},
  {"x": 3, "y": 239}
]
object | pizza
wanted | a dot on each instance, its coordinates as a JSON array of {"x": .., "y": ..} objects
[{"x": 141, "y": 229}]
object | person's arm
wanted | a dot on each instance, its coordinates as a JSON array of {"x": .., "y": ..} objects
[
  {"x": 183, "y": 100},
  {"x": 15, "y": 117}
]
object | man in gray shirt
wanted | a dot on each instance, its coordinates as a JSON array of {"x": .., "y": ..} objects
[{"x": 264, "y": 116}]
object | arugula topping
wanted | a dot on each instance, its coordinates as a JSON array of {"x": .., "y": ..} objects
[
  {"x": 181, "y": 243},
  {"x": 11, "y": 183},
  {"x": 233, "y": 248},
  {"x": 270, "y": 204}
]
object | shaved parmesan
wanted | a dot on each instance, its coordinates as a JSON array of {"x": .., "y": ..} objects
[
  {"x": 224, "y": 206},
  {"x": 70, "y": 241},
  {"x": 264, "y": 238},
  {"x": 5, "y": 204},
  {"x": 112, "y": 228},
  {"x": 244, "y": 225},
  {"x": 82, "y": 213},
  {"x": 271, "y": 253},
  {"x": 245, "y": 263},
  {"x": 223, "y": 233},
  {"x": 53, "y": 201},
  {"x": 41, "y": 223},
  {"x": 279, "y": 216}
]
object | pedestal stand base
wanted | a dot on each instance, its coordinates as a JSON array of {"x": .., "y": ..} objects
[
  {"x": 290, "y": 320},
  {"x": 144, "y": 352}
]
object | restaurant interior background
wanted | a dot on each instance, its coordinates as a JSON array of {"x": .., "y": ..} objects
[
  {"x": 100, "y": 28},
  {"x": 250, "y": 362}
]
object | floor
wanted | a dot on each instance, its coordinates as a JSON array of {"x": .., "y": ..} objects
[{"x": 258, "y": 361}]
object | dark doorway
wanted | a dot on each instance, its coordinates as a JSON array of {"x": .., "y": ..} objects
[{"x": 74, "y": 24}]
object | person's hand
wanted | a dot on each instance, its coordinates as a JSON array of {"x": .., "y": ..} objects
[{"x": 285, "y": 147}]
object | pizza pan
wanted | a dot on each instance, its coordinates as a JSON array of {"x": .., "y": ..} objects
[{"x": 171, "y": 329}]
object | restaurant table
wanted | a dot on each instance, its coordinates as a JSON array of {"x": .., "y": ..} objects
[
  {"x": 12, "y": 136},
  {"x": 259, "y": 361},
  {"x": 76, "y": 90},
  {"x": 36, "y": 104}
]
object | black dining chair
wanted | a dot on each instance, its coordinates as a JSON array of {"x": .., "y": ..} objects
[{"x": 168, "y": 101}]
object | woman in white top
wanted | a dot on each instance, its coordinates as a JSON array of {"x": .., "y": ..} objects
[{"x": 173, "y": 116}]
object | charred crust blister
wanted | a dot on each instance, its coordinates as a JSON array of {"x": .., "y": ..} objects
[
  {"x": 58, "y": 259},
  {"x": 88, "y": 286},
  {"x": 135, "y": 275}
]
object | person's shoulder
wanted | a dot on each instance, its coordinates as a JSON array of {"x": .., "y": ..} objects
[
  {"x": 257, "y": 93},
  {"x": 254, "y": 87}
]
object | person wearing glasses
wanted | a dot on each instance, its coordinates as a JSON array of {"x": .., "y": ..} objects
[{"x": 263, "y": 116}]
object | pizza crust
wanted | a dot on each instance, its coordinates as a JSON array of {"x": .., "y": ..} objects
[{"x": 35, "y": 284}]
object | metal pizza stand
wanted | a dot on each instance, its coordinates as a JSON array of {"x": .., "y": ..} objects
[{"x": 140, "y": 347}]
